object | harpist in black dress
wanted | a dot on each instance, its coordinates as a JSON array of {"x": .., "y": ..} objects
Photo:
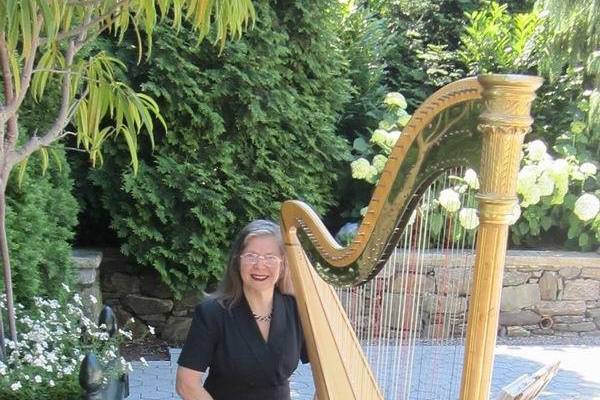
[
  {"x": 242, "y": 365},
  {"x": 248, "y": 335}
]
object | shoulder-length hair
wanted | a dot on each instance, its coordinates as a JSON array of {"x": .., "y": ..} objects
[{"x": 230, "y": 290}]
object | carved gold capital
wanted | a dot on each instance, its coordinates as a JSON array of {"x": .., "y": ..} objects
[{"x": 507, "y": 99}]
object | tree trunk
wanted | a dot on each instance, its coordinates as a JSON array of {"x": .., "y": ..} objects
[{"x": 6, "y": 261}]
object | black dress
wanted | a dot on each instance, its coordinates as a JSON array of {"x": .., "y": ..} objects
[{"x": 242, "y": 365}]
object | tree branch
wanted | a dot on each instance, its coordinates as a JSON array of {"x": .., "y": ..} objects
[
  {"x": 8, "y": 88},
  {"x": 35, "y": 142},
  {"x": 10, "y": 111}
]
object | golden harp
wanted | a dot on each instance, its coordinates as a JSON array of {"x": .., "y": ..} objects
[{"x": 475, "y": 122}]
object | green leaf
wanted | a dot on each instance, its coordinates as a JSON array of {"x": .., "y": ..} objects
[
  {"x": 546, "y": 222},
  {"x": 436, "y": 222},
  {"x": 584, "y": 241},
  {"x": 360, "y": 145}
]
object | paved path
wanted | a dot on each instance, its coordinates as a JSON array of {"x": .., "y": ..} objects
[{"x": 577, "y": 379}]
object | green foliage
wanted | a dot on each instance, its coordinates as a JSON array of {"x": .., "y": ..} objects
[
  {"x": 41, "y": 216},
  {"x": 247, "y": 129},
  {"x": 53, "y": 338},
  {"x": 498, "y": 41}
]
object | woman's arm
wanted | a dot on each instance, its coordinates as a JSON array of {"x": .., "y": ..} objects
[{"x": 189, "y": 385}]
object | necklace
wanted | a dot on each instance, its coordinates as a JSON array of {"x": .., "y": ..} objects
[{"x": 263, "y": 318}]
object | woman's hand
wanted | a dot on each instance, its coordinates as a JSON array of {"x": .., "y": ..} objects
[{"x": 189, "y": 385}]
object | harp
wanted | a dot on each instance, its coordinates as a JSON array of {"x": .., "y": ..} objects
[{"x": 475, "y": 122}]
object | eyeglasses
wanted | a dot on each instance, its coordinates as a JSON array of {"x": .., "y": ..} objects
[{"x": 252, "y": 259}]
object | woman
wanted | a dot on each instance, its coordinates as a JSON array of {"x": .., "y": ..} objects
[{"x": 249, "y": 333}]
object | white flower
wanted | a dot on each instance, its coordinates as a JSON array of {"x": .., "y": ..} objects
[
  {"x": 395, "y": 99},
  {"x": 449, "y": 199},
  {"x": 587, "y": 207},
  {"x": 378, "y": 136},
  {"x": 360, "y": 168},
  {"x": 151, "y": 329},
  {"x": 391, "y": 138},
  {"x": 588, "y": 169},
  {"x": 515, "y": 214},
  {"x": 471, "y": 179},
  {"x": 16, "y": 386},
  {"x": 526, "y": 178},
  {"x": 468, "y": 218},
  {"x": 536, "y": 150},
  {"x": 37, "y": 379},
  {"x": 51, "y": 383},
  {"x": 559, "y": 169},
  {"x": 379, "y": 162},
  {"x": 531, "y": 196},
  {"x": 545, "y": 184}
]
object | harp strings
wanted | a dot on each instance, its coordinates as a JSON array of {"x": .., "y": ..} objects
[{"x": 411, "y": 318}]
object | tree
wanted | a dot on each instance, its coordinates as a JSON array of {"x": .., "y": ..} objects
[
  {"x": 572, "y": 38},
  {"x": 45, "y": 42}
]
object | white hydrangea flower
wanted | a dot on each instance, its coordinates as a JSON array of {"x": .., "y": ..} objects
[
  {"x": 471, "y": 179},
  {"x": 531, "y": 196},
  {"x": 559, "y": 169},
  {"x": 378, "y": 136},
  {"x": 546, "y": 184},
  {"x": 515, "y": 214},
  {"x": 391, "y": 138},
  {"x": 468, "y": 218},
  {"x": 587, "y": 207},
  {"x": 403, "y": 118},
  {"x": 526, "y": 179},
  {"x": 588, "y": 169},
  {"x": 449, "y": 199},
  {"x": 536, "y": 150},
  {"x": 379, "y": 162},
  {"x": 360, "y": 168},
  {"x": 395, "y": 99}
]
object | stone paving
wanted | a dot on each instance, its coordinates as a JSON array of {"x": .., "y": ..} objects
[{"x": 577, "y": 379}]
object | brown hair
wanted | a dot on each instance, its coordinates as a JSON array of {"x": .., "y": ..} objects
[{"x": 231, "y": 288}]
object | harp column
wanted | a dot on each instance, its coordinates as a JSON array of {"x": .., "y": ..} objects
[{"x": 504, "y": 121}]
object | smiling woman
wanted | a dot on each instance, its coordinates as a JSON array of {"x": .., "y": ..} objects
[{"x": 249, "y": 333}]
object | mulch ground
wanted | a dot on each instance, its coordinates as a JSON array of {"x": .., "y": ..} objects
[{"x": 151, "y": 348}]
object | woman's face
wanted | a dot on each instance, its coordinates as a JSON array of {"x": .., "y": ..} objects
[{"x": 261, "y": 263}]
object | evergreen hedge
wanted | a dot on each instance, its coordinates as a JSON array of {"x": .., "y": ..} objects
[
  {"x": 41, "y": 215},
  {"x": 248, "y": 128}
]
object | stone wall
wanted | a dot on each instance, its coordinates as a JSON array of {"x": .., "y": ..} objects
[
  {"x": 551, "y": 293},
  {"x": 140, "y": 294},
  {"x": 544, "y": 293}
]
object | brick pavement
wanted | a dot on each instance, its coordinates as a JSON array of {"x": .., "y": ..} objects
[{"x": 577, "y": 379}]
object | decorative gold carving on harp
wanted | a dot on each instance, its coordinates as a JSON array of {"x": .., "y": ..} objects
[{"x": 476, "y": 122}]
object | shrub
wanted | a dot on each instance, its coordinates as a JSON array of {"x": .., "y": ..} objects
[
  {"x": 53, "y": 339},
  {"x": 41, "y": 215},
  {"x": 247, "y": 129}
]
